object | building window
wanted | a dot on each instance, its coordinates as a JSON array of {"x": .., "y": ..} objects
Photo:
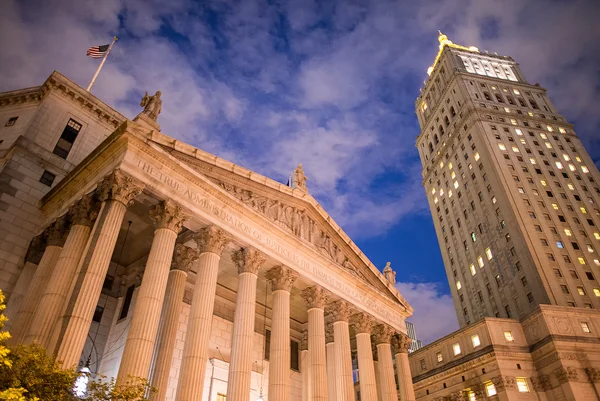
[
  {"x": 456, "y": 349},
  {"x": 580, "y": 291},
  {"x": 127, "y": 302},
  {"x": 564, "y": 289},
  {"x": 221, "y": 397},
  {"x": 597, "y": 292},
  {"x": 585, "y": 327},
  {"x": 439, "y": 357},
  {"x": 47, "y": 178},
  {"x": 490, "y": 389},
  {"x": 480, "y": 261},
  {"x": 475, "y": 340},
  {"x": 522, "y": 385},
  {"x": 422, "y": 362},
  {"x": 530, "y": 297},
  {"x": 11, "y": 121},
  {"x": 473, "y": 270},
  {"x": 458, "y": 285},
  {"x": 508, "y": 336},
  {"x": 67, "y": 138},
  {"x": 98, "y": 314},
  {"x": 488, "y": 253}
]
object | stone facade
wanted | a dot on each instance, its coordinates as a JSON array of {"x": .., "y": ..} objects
[{"x": 167, "y": 246}]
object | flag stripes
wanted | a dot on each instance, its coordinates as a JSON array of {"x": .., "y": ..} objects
[{"x": 97, "y": 51}]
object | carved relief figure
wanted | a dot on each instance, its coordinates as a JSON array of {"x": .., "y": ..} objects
[
  {"x": 300, "y": 178},
  {"x": 152, "y": 105}
]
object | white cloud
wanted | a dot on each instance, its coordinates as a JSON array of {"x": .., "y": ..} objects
[{"x": 434, "y": 315}]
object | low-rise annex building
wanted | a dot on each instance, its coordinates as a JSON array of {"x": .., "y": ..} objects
[{"x": 131, "y": 253}]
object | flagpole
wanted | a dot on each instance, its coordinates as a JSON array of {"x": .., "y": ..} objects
[{"x": 102, "y": 63}]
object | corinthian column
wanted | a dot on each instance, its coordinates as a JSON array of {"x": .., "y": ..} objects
[
  {"x": 168, "y": 219},
  {"x": 368, "y": 386},
  {"x": 401, "y": 343},
  {"x": 211, "y": 242},
  {"x": 32, "y": 259},
  {"x": 340, "y": 311},
  {"x": 315, "y": 298},
  {"x": 383, "y": 335},
  {"x": 248, "y": 261},
  {"x": 56, "y": 235},
  {"x": 282, "y": 279},
  {"x": 116, "y": 191},
  {"x": 332, "y": 378},
  {"x": 57, "y": 290},
  {"x": 183, "y": 258},
  {"x": 305, "y": 367},
  {"x": 376, "y": 369}
]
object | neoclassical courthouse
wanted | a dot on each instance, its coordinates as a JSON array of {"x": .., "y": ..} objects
[{"x": 132, "y": 254}]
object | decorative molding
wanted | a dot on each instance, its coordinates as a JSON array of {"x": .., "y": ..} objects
[
  {"x": 56, "y": 233},
  {"x": 36, "y": 249},
  {"x": 248, "y": 260},
  {"x": 168, "y": 214},
  {"x": 297, "y": 221},
  {"x": 383, "y": 334},
  {"x": 401, "y": 343},
  {"x": 282, "y": 278},
  {"x": 362, "y": 323},
  {"x": 183, "y": 258},
  {"x": 329, "y": 338},
  {"x": 593, "y": 374},
  {"x": 84, "y": 211},
  {"x": 119, "y": 187},
  {"x": 340, "y": 311},
  {"x": 541, "y": 383},
  {"x": 315, "y": 297},
  {"x": 212, "y": 239},
  {"x": 566, "y": 374}
]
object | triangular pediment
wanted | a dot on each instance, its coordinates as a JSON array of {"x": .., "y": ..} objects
[{"x": 293, "y": 211}]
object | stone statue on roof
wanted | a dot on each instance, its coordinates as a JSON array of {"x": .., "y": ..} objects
[
  {"x": 152, "y": 105},
  {"x": 300, "y": 178},
  {"x": 389, "y": 274}
]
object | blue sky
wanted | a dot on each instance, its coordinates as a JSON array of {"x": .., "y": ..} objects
[{"x": 330, "y": 84}]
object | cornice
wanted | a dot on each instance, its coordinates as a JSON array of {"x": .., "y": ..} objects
[{"x": 22, "y": 96}]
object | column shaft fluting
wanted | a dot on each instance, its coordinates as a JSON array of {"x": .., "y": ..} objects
[
  {"x": 316, "y": 349},
  {"x": 331, "y": 373},
  {"x": 240, "y": 367},
  {"x": 406, "y": 391},
  {"x": 56, "y": 291},
  {"x": 366, "y": 370},
  {"x": 116, "y": 191},
  {"x": 22, "y": 321},
  {"x": 305, "y": 371},
  {"x": 167, "y": 334},
  {"x": 89, "y": 283},
  {"x": 401, "y": 343},
  {"x": 343, "y": 361},
  {"x": 211, "y": 243},
  {"x": 377, "y": 378},
  {"x": 18, "y": 295},
  {"x": 279, "y": 357},
  {"x": 386, "y": 373},
  {"x": 195, "y": 349},
  {"x": 139, "y": 346}
]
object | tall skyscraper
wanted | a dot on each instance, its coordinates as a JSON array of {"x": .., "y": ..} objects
[{"x": 514, "y": 195}]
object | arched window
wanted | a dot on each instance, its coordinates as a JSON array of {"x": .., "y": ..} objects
[
  {"x": 487, "y": 96},
  {"x": 435, "y": 139},
  {"x": 441, "y": 130},
  {"x": 452, "y": 111},
  {"x": 522, "y": 102},
  {"x": 533, "y": 104},
  {"x": 430, "y": 147},
  {"x": 510, "y": 100},
  {"x": 447, "y": 121},
  {"x": 499, "y": 98}
]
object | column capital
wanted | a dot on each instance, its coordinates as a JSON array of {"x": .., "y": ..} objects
[
  {"x": 315, "y": 297},
  {"x": 248, "y": 260},
  {"x": 120, "y": 187},
  {"x": 84, "y": 211},
  {"x": 383, "y": 334},
  {"x": 282, "y": 278},
  {"x": 328, "y": 333},
  {"x": 168, "y": 214},
  {"x": 36, "y": 249},
  {"x": 362, "y": 323},
  {"x": 340, "y": 310},
  {"x": 401, "y": 343},
  {"x": 183, "y": 258},
  {"x": 212, "y": 239},
  {"x": 57, "y": 232},
  {"x": 304, "y": 341}
]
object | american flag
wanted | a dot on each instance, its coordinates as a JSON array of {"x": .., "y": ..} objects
[{"x": 97, "y": 51}]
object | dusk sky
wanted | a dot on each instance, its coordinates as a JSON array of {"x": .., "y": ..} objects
[{"x": 330, "y": 84}]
